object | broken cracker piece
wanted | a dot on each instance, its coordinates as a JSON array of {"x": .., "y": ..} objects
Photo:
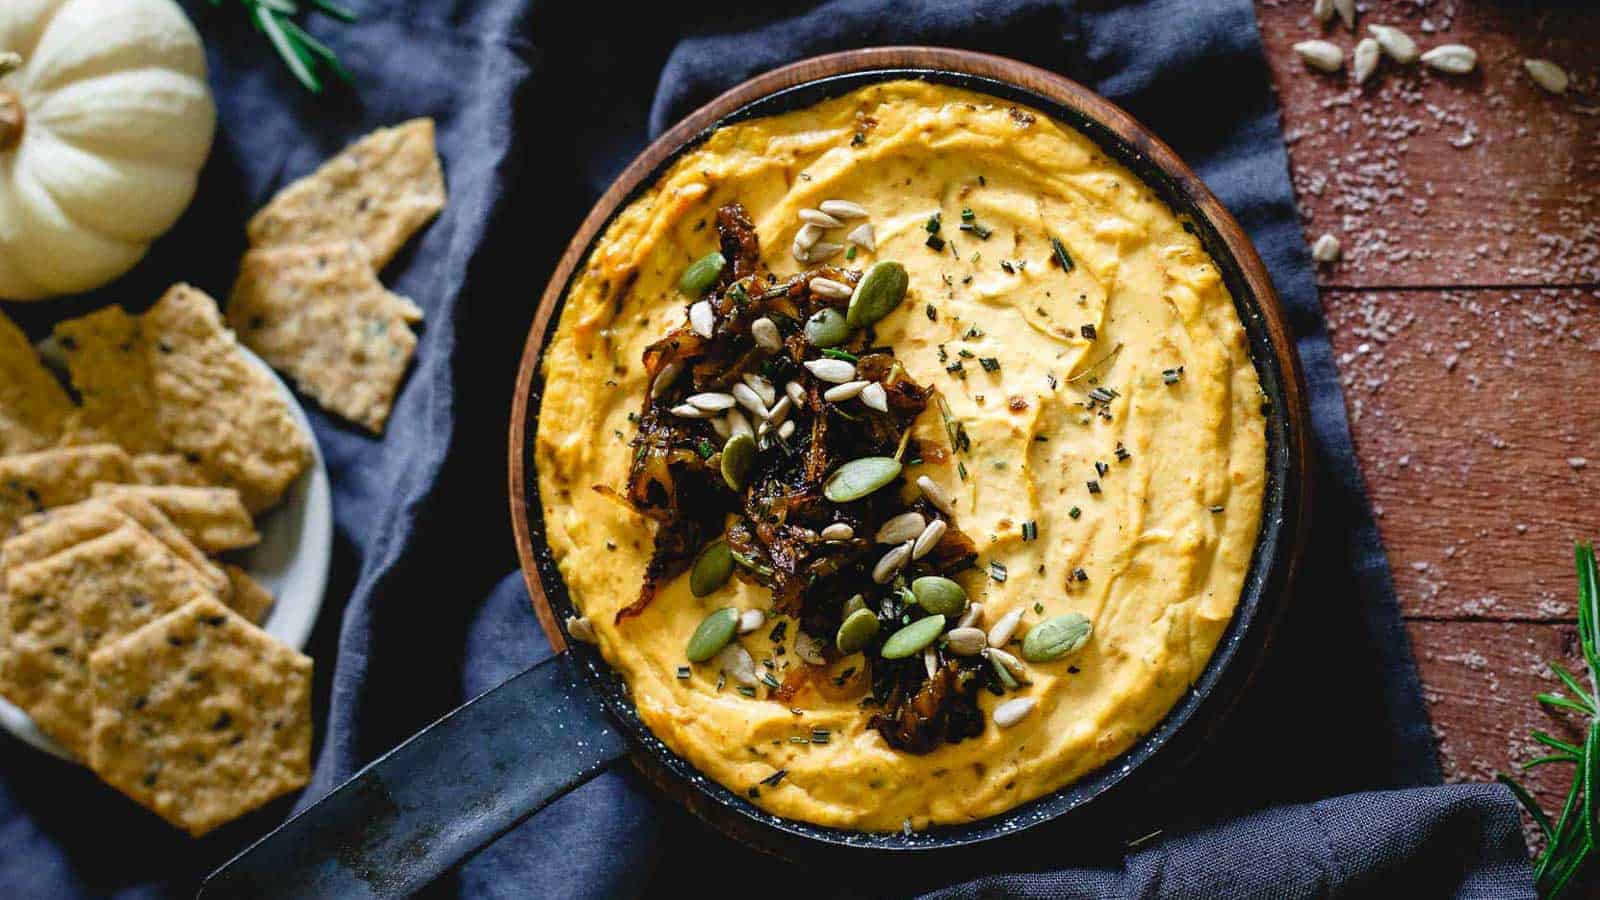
[
  {"x": 201, "y": 717},
  {"x": 60, "y": 608},
  {"x": 33, "y": 405},
  {"x": 218, "y": 406},
  {"x": 248, "y": 597},
  {"x": 378, "y": 191},
  {"x": 319, "y": 314}
]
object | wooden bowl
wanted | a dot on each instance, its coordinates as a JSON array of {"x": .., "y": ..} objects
[{"x": 1284, "y": 511}]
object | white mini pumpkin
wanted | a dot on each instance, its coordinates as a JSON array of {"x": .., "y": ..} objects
[{"x": 105, "y": 121}]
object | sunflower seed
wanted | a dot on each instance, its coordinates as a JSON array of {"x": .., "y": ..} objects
[
  {"x": 1364, "y": 61},
  {"x": 930, "y": 661},
  {"x": 809, "y": 649},
  {"x": 750, "y": 400},
  {"x": 937, "y": 495},
  {"x": 827, "y": 287},
  {"x": 875, "y": 397},
  {"x": 929, "y": 539},
  {"x": 838, "y": 531},
  {"x": 579, "y": 628},
  {"x": 1013, "y": 711},
  {"x": 901, "y": 528},
  {"x": 779, "y": 411},
  {"x": 891, "y": 563},
  {"x": 1347, "y": 13},
  {"x": 801, "y": 254},
  {"x": 722, "y": 427},
  {"x": 665, "y": 378},
  {"x": 819, "y": 218},
  {"x": 863, "y": 236},
  {"x": 821, "y": 250},
  {"x": 1326, "y": 249},
  {"x": 737, "y": 423},
  {"x": 750, "y": 620},
  {"x": 833, "y": 371},
  {"x": 703, "y": 319},
  {"x": 735, "y": 662},
  {"x": 796, "y": 393},
  {"x": 1001, "y": 633},
  {"x": 1012, "y": 664},
  {"x": 842, "y": 392},
  {"x": 1396, "y": 43},
  {"x": 843, "y": 209},
  {"x": 762, "y": 387},
  {"x": 965, "y": 641},
  {"x": 1547, "y": 75},
  {"x": 685, "y": 411},
  {"x": 1452, "y": 59},
  {"x": 807, "y": 236},
  {"x": 972, "y": 616},
  {"x": 765, "y": 331},
  {"x": 786, "y": 430},
  {"x": 1320, "y": 55},
  {"x": 1322, "y": 11},
  {"x": 711, "y": 402}
]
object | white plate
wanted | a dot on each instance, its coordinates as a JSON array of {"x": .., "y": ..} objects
[{"x": 291, "y": 561}]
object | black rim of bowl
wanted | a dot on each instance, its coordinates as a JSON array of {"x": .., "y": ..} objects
[{"x": 1263, "y": 588}]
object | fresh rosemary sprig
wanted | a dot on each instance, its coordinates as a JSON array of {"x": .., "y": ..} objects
[
  {"x": 1570, "y": 841},
  {"x": 307, "y": 58}
]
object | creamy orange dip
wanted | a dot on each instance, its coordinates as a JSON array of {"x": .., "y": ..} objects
[{"x": 1162, "y": 548}]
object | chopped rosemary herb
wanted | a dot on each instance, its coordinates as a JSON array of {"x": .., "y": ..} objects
[
  {"x": 858, "y": 139},
  {"x": 850, "y": 252},
  {"x": 836, "y": 353},
  {"x": 1171, "y": 376},
  {"x": 990, "y": 364},
  {"x": 821, "y": 735},
  {"x": 747, "y": 691},
  {"x": 769, "y": 681},
  {"x": 1122, "y": 453},
  {"x": 1074, "y": 512},
  {"x": 705, "y": 448},
  {"x": 1051, "y": 380},
  {"x": 933, "y": 314},
  {"x": 934, "y": 221},
  {"x": 1030, "y": 530},
  {"x": 956, "y": 369},
  {"x": 1088, "y": 331},
  {"x": 1101, "y": 468},
  {"x": 778, "y": 631},
  {"x": 1009, "y": 269},
  {"x": 981, "y": 231},
  {"x": 1038, "y": 608},
  {"x": 997, "y": 570},
  {"x": 1079, "y": 574},
  {"x": 1094, "y": 487},
  {"x": 961, "y": 469},
  {"x": 1061, "y": 255},
  {"x": 973, "y": 333},
  {"x": 935, "y": 242},
  {"x": 1217, "y": 508},
  {"x": 683, "y": 673},
  {"x": 1102, "y": 394},
  {"x": 773, "y": 779}
]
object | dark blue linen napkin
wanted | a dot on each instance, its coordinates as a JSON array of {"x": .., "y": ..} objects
[{"x": 539, "y": 107}]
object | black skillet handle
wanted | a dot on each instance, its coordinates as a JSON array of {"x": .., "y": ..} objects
[{"x": 439, "y": 797}]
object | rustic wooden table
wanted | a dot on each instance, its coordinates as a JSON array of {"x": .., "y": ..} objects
[{"x": 1465, "y": 314}]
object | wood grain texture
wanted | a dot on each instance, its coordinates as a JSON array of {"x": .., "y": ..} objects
[
  {"x": 1471, "y": 405},
  {"x": 1432, "y": 179}
]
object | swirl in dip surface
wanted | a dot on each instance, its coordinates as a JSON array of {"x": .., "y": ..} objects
[{"x": 1156, "y": 559}]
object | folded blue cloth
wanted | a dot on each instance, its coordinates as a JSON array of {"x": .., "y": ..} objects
[{"x": 539, "y": 107}]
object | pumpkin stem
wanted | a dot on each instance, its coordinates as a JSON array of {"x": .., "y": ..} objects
[{"x": 12, "y": 117}]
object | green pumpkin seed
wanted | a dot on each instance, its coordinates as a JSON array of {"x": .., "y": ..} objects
[
  {"x": 878, "y": 293},
  {"x": 713, "y": 634},
  {"x": 856, "y": 632},
  {"x": 827, "y": 328},
  {"x": 939, "y": 595},
  {"x": 712, "y": 568},
  {"x": 1056, "y": 638},
  {"x": 913, "y": 638},
  {"x": 860, "y": 477},
  {"x": 738, "y": 455},
  {"x": 702, "y": 274}
]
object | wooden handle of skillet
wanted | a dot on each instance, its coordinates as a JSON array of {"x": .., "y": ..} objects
[{"x": 439, "y": 797}]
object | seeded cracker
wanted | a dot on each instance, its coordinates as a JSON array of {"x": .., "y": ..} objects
[
  {"x": 214, "y": 519},
  {"x": 201, "y": 717},
  {"x": 61, "y": 607},
  {"x": 30, "y": 482},
  {"x": 217, "y": 406},
  {"x": 56, "y": 529},
  {"x": 249, "y": 597},
  {"x": 377, "y": 191},
  {"x": 167, "y": 468},
  {"x": 108, "y": 361},
  {"x": 33, "y": 406},
  {"x": 319, "y": 314}
]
